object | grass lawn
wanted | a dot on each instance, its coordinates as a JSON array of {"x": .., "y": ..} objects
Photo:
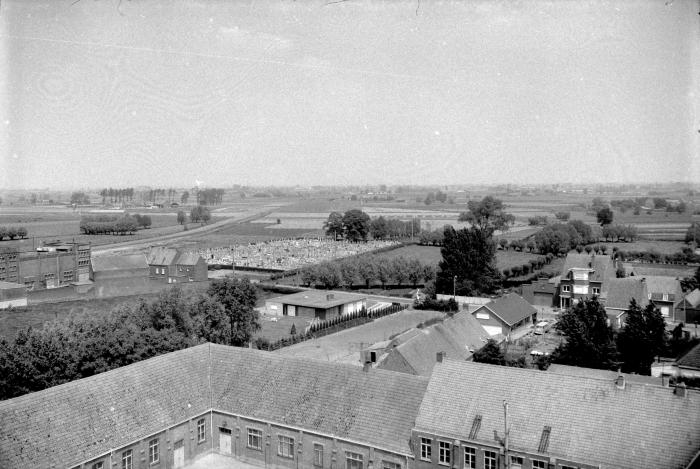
[{"x": 662, "y": 247}]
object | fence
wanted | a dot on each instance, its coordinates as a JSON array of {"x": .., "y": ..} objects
[{"x": 331, "y": 326}]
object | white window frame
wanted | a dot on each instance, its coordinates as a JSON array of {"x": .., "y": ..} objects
[
  {"x": 581, "y": 289},
  {"x": 566, "y": 288},
  {"x": 318, "y": 455},
  {"x": 539, "y": 464},
  {"x": 426, "y": 449},
  {"x": 390, "y": 465},
  {"x": 128, "y": 459},
  {"x": 285, "y": 446},
  {"x": 444, "y": 452},
  {"x": 492, "y": 458},
  {"x": 595, "y": 290},
  {"x": 201, "y": 431},
  {"x": 253, "y": 435},
  {"x": 153, "y": 451},
  {"x": 352, "y": 459},
  {"x": 469, "y": 457},
  {"x": 98, "y": 465}
]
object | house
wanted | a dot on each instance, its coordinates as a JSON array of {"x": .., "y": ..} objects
[
  {"x": 456, "y": 337},
  {"x": 254, "y": 407},
  {"x": 542, "y": 292},
  {"x": 665, "y": 293},
  {"x": 176, "y": 266},
  {"x": 12, "y": 295},
  {"x": 315, "y": 304},
  {"x": 688, "y": 309},
  {"x": 129, "y": 266},
  {"x": 506, "y": 314},
  {"x": 554, "y": 421},
  {"x": 583, "y": 276},
  {"x": 617, "y": 298}
]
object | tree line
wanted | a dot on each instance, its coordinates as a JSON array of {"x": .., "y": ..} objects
[
  {"x": 367, "y": 270},
  {"x": 84, "y": 345},
  {"x": 106, "y": 224},
  {"x": 13, "y": 232}
]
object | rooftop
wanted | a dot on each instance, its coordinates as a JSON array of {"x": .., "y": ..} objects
[
  {"x": 511, "y": 308},
  {"x": 602, "y": 266},
  {"x": 607, "y": 375},
  {"x": 318, "y": 298},
  {"x": 160, "y": 255},
  {"x": 591, "y": 419},
  {"x": 119, "y": 262},
  {"x": 622, "y": 290},
  {"x": 691, "y": 359}
]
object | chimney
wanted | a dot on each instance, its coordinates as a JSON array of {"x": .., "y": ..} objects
[
  {"x": 620, "y": 380},
  {"x": 367, "y": 366},
  {"x": 440, "y": 356},
  {"x": 680, "y": 390}
]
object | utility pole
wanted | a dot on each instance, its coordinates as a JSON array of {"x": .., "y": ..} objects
[
  {"x": 505, "y": 438},
  {"x": 454, "y": 288}
]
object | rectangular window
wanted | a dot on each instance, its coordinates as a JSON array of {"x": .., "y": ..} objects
[
  {"x": 469, "y": 458},
  {"x": 580, "y": 275},
  {"x": 539, "y": 464},
  {"x": 98, "y": 465},
  {"x": 596, "y": 290},
  {"x": 516, "y": 462},
  {"x": 444, "y": 452},
  {"x": 201, "y": 431},
  {"x": 153, "y": 453},
  {"x": 581, "y": 289},
  {"x": 254, "y": 438},
  {"x": 390, "y": 465},
  {"x": 318, "y": 455},
  {"x": 127, "y": 459},
  {"x": 490, "y": 460},
  {"x": 566, "y": 288},
  {"x": 426, "y": 449},
  {"x": 353, "y": 460},
  {"x": 285, "y": 446}
]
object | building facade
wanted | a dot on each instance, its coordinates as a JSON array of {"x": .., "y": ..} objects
[{"x": 315, "y": 304}]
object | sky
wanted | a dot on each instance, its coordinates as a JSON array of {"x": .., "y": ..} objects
[{"x": 97, "y": 93}]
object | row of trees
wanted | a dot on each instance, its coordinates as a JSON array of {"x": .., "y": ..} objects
[
  {"x": 198, "y": 214},
  {"x": 116, "y": 195},
  {"x": 560, "y": 238},
  {"x": 210, "y": 196},
  {"x": 368, "y": 270},
  {"x": 391, "y": 228},
  {"x": 84, "y": 345},
  {"x": 105, "y": 224},
  {"x": 353, "y": 225},
  {"x": 13, "y": 232}
]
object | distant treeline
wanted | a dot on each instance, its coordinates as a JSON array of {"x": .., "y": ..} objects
[
  {"x": 106, "y": 224},
  {"x": 12, "y": 232}
]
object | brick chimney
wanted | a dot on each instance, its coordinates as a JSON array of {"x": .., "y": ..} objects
[
  {"x": 620, "y": 380},
  {"x": 680, "y": 390},
  {"x": 440, "y": 356}
]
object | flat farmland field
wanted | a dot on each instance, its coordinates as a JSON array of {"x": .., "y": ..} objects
[{"x": 662, "y": 247}]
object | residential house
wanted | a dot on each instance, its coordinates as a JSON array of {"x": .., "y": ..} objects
[
  {"x": 315, "y": 304},
  {"x": 254, "y": 407},
  {"x": 552, "y": 420},
  {"x": 665, "y": 293},
  {"x": 689, "y": 364},
  {"x": 176, "y": 266},
  {"x": 620, "y": 292},
  {"x": 688, "y": 309},
  {"x": 456, "y": 337},
  {"x": 583, "y": 276},
  {"x": 505, "y": 315}
]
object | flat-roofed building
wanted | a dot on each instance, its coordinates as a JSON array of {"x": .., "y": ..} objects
[{"x": 316, "y": 304}]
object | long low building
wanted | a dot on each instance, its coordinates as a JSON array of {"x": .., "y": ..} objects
[
  {"x": 12, "y": 295},
  {"x": 315, "y": 304}
]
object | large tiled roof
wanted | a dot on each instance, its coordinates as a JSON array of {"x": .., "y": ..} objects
[
  {"x": 693, "y": 298},
  {"x": 318, "y": 298},
  {"x": 78, "y": 421},
  {"x": 187, "y": 258},
  {"x": 119, "y": 262},
  {"x": 591, "y": 420},
  {"x": 457, "y": 336},
  {"x": 691, "y": 359},
  {"x": 376, "y": 406},
  {"x": 621, "y": 290},
  {"x": 660, "y": 284},
  {"x": 161, "y": 256},
  {"x": 511, "y": 308},
  {"x": 602, "y": 374},
  {"x": 71, "y": 423},
  {"x": 602, "y": 266}
]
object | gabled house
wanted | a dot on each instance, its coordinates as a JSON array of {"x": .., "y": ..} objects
[
  {"x": 665, "y": 293},
  {"x": 620, "y": 292},
  {"x": 176, "y": 266},
  {"x": 583, "y": 276},
  {"x": 688, "y": 309},
  {"x": 506, "y": 314}
]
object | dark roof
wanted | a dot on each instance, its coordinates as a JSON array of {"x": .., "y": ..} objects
[
  {"x": 663, "y": 285},
  {"x": 318, "y": 299},
  {"x": 78, "y": 421},
  {"x": 601, "y": 265},
  {"x": 457, "y": 336},
  {"x": 602, "y": 374},
  {"x": 693, "y": 298},
  {"x": 510, "y": 308},
  {"x": 187, "y": 258},
  {"x": 161, "y": 256},
  {"x": 591, "y": 420},
  {"x": 120, "y": 262},
  {"x": 691, "y": 359},
  {"x": 621, "y": 290}
]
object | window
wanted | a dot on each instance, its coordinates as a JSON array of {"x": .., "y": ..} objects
[
  {"x": 318, "y": 455},
  {"x": 580, "y": 275},
  {"x": 98, "y": 465},
  {"x": 426, "y": 449},
  {"x": 490, "y": 460},
  {"x": 443, "y": 452},
  {"x": 568, "y": 467},
  {"x": 254, "y": 438},
  {"x": 353, "y": 460},
  {"x": 516, "y": 462},
  {"x": 201, "y": 431},
  {"x": 390, "y": 465},
  {"x": 285, "y": 446},
  {"x": 566, "y": 288},
  {"x": 469, "y": 458},
  {"x": 127, "y": 459},
  {"x": 153, "y": 453},
  {"x": 539, "y": 464},
  {"x": 596, "y": 290},
  {"x": 581, "y": 289}
]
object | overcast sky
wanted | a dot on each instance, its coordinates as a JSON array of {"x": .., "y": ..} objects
[{"x": 158, "y": 92}]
